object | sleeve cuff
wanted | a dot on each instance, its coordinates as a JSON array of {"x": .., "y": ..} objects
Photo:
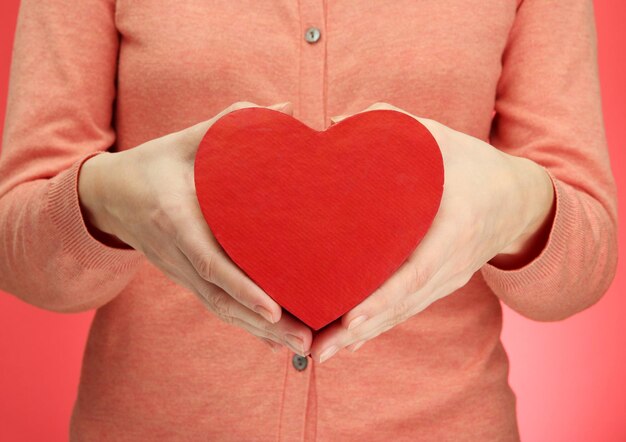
[
  {"x": 554, "y": 254},
  {"x": 63, "y": 208}
]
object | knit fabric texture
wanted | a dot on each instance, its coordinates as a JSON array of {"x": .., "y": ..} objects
[{"x": 92, "y": 77}]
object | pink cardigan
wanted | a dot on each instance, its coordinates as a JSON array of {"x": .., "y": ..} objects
[{"x": 95, "y": 75}]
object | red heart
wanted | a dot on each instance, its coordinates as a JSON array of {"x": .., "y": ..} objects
[{"x": 318, "y": 219}]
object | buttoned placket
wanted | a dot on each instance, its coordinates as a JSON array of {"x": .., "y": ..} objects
[
  {"x": 311, "y": 108},
  {"x": 298, "y": 412},
  {"x": 298, "y": 415}
]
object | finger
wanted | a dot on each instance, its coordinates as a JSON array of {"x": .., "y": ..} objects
[
  {"x": 391, "y": 295},
  {"x": 212, "y": 264},
  {"x": 436, "y": 128},
  {"x": 374, "y": 106},
  {"x": 337, "y": 118},
  {"x": 178, "y": 268},
  {"x": 198, "y": 130},
  {"x": 402, "y": 296},
  {"x": 354, "y": 347},
  {"x": 274, "y": 346},
  {"x": 352, "y": 340},
  {"x": 388, "y": 320},
  {"x": 329, "y": 341},
  {"x": 288, "y": 330},
  {"x": 285, "y": 107},
  {"x": 433, "y": 126},
  {"x": 335, "y": 336}
]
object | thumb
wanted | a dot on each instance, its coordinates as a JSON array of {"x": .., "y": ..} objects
[{"x": 285, "y": 107}]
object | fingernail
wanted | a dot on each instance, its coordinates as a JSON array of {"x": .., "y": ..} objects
[
  {"x": 265, "y": 313},
  {"x": 296, "y": 343},
  {"x": 357, "y": 346},
  {"x": 357, "y": 321},
  {"x": 328, "y": 353}
]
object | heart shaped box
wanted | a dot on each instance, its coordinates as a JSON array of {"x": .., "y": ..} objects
[{"x": 318, "y": 219}]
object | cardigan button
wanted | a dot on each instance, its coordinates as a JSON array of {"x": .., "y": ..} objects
[
  {"x": 312, "y": 35},
  {"x": 299, "y": 362}
]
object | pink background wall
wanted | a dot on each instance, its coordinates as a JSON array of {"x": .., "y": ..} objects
[{"x": 570, "y": 377}]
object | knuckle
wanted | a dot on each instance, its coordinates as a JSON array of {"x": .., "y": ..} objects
[
  {"x": 220, "y": 305},
  {"x": 241, "y": 292},
  {"x": 399, "y": 311},
  {"x": 159, "y": 217},
  {"x": 166, "y": 216},
  {"x": 227, "y": 319},
  {"x": 378, "y": 304},
  {"x": 388, "y": 323},
  {"x": 267, "y": 327},
  {"x": 250, "y": 328},
  {"x": 416, "y": 279},
  {"x": 206, "y": 293},
  {"x": 204, "y": 264}
]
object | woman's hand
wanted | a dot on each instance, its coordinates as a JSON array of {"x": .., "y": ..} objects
[
  {"x": 492, "y": 204},
  {"x": 145, "y": 197}
]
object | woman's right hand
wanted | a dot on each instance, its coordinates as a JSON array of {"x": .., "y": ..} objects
[{"x": 145, "y": 197}]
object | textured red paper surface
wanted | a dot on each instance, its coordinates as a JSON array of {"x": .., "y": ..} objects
[
  {"x": 39, "y": 381},
  {"x": 318, "y": 219}
]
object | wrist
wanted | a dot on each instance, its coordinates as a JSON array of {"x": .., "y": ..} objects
[
  {"x": 93, "y": 198},
  {"x": 537, "y": 205}
]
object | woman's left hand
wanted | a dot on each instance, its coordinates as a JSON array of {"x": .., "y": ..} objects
[{"x": 494, "y": 208}]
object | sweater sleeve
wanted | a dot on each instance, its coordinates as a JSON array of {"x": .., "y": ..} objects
[
  {"x": 58, "y": 114},
  {"x": 548, "y": 109}
]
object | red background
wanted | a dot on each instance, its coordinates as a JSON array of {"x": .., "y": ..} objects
[{"x": 569, "y": 376}]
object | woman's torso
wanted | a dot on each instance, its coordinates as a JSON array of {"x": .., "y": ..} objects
[{"x": 159, "y": 365}]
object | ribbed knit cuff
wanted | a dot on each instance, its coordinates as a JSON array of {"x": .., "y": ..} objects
[
  {"x": 544, "y": 267},
  {"x": 63, "y": 207}
]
